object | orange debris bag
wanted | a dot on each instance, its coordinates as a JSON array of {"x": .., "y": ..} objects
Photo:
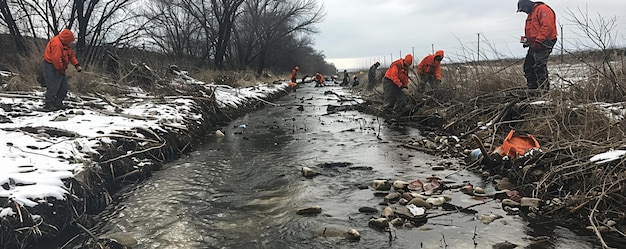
[{"x": 515, "y": 146}]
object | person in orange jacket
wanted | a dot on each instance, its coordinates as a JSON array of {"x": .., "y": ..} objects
[
  {"x": 57, "y": 56},
  {"x": 319, "y": 79},
  {"x": 540, "y": 36},
  {"x": 293, "y": 76},
  {"x": 429, "y": 70},
  {"x": 396, "y": 78}
]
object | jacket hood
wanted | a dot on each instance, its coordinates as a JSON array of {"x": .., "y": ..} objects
[
  {"x": 408, "y": 59},
  {"x": 66, "y": 36},
  {"x": 525, "y": 6},
  {"x": 439, "y": 53}
]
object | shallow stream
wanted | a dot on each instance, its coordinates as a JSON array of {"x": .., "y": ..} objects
[{"x": 243, "y": 190}]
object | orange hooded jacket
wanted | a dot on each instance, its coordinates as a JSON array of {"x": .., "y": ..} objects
[
  {"x": 294, "y": 74},
  {"x": 430, "y": 66},
  {"x": 58, "y": 51},
  {"x": 541, "y": 24},
  {"x": 398, "y": 73}
]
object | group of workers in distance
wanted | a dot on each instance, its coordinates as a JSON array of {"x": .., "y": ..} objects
[{"x": 540, "y": 35}]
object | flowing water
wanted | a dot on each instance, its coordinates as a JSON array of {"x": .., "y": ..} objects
[{"x": 243, "y": 190}]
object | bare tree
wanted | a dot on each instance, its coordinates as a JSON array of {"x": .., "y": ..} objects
[
  {"x": 271, "y": 23},
  {"x": 7, "y": 18},
  {"x": 597, "y": 34},
  {"x": 174, "y": 30}
]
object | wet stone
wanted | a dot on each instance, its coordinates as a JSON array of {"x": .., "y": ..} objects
[
  {"x": 333, "y": 232},
  {"x": 392, "y": 198},
  {"x": 368, "y": 210},
  {"x": 308, "y": 172},
  {"x": 438, "y": 168},
  {"x": 381, "y": 185},
  {"x": 381, "y": 193},
  {"x": 380, "y": 223},
  {"x": 309, "y": 211},
  {"x": 419, "y": 202},
  {"x": 387, "y": 212}
]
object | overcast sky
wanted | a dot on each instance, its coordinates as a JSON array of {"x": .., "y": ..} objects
[{"x": 356, "y": 33}]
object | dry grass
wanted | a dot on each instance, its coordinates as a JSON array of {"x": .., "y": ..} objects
[{"x": 568, "y": 122}]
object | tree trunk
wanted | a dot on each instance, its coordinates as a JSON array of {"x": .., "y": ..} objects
[{"x": 18, "y": 39}]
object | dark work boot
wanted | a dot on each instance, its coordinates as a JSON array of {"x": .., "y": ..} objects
[{"x": 49, "y": 107}]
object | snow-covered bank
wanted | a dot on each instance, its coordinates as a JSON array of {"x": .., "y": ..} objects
[{"x": 41, "y": 153}]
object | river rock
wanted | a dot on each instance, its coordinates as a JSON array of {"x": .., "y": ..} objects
[
  {"x": 403, "y": 201},
  {"x": 402, "y": 211},
  {"x": 467, "y": 189},
  {"x": 479, "y": 191},
  {"x": 407, "y": 196},
  {"x": 397, "y": 222},
  {"x": 381, "y": 185},
  {"x": 387, "y": 212},
  {"x": 530, "y": 202},
  {"x": 124, "y": 239},
  {"x": 504, "y": 245},
  {"x": 510, "y": 203},
  {"x": 400, "y": 185},
  {"x": 381, "y": 193},
  {"x": 308, "y": 172},
  {"x": 368, "y": 210},
  {"x": 219, "y": 134},
  {"x": 436, "y": 201},
  {"x": 419, "y": 202},
  {"x": 488, "y": 218},
  {"x": 505, "y": 183},
  {"x": 333, "y": 232},
  {"x": 437, "y": 168},
  {"x": 380, "y": 223},
  {"x": 392, "y": 197},
  {"x": 309, "y": 211}
]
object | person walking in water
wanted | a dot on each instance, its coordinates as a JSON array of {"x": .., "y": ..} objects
[
  {"x": 57, "y": 56},
  {"x": 540, "y": 36}
]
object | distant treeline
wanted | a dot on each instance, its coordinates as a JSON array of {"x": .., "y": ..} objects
[{"x": 256, "y": 35}]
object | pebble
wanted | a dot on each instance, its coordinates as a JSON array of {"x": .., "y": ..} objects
[
  {"x": 381, "y": 185},
  {"x": 381, "y": 223},
  {"x": 510, "y": 203},
  {"x": 387, "y": 212},
  {"x": 438, "y": 168},
  {"x": 332, "y": 232},
  {"x": 309, "y": 210},
  {"x": 479, "y": 190},
  {"x": 419, "y": 202},
  {"x": 392, "y": 197},
  {"x": 308, "y": 172},
  {"x": 488, "y": 218},
  {"x": 436, "y": 201},
  {"x": 530, "y": 202},
  {"x": 468, "y": 190},
  {"x": 400, "y": 185},
  {"x": 368, "y": 210},
  {"x": 219, "y": 134}
]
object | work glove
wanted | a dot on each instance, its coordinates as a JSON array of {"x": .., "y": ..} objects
[
  {"x": 79, "y": 68},
  {"x": 537, "y": 46}
]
